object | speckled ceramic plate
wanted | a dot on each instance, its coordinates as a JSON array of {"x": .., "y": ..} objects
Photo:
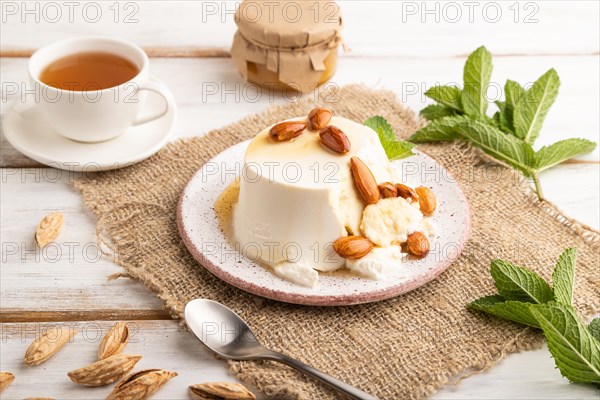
[{"x": 201, "y": 232}]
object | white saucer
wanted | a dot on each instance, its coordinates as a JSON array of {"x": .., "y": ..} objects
[{"x": 26, "y": 131}]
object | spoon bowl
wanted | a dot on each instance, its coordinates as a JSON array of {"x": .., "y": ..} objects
[{"x": 222, "y": 330}]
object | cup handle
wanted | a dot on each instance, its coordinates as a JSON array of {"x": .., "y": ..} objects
[{"x": 165, "y": 93}]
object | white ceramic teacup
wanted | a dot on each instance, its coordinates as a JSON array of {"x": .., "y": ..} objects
[{"x": 97, "y": 115}]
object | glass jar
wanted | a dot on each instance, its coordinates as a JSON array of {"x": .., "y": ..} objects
[{"x": 273, "y": 50}]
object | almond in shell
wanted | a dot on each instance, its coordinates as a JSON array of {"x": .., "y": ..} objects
[
  {"x": 287, "y": 130},
  {"x": 106, "y": 371},
  {"x": 6, "y": 379},
  {"x": 427, "y": 201},
  {"x": 364, "y": 180},
  {"x": 335, "y": 139},
  {"x": 388, "y": 189},
  {"x": 47, "y": 344},
  {"x": 319, "y": 118},
  {"x": 417, "y": 244},
  {"x": 114, "y": 342},
  {"x": 48, "y": 229},
  {"x": 220, "y": 391},
  {"x": 352, "y": 247},
  {"x": 141, "y": 384}
]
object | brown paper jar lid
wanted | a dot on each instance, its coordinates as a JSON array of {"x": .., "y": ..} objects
[{"x": 288, "y": 24}]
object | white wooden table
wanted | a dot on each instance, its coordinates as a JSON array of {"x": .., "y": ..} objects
[{"x": 395, "y": 45}]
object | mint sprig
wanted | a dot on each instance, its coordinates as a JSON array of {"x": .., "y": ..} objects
[
  {"x": 526, "y": 298},
  {"x": 460, "y": 114},
  {"x": 394, "y": 149}
]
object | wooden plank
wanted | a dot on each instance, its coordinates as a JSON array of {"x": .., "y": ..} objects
[
  {"x": 75, "y": 282},
  {"x": 410, "y": 28},
  {"x": 163, "y": 344},
  {"x": 574, "y": 189},
  {"x": 210, "y": 93},
  {"x": 20, "y": 315},
  {"x": 198, "y": 52},
  {"x": 526, "y": 375},
  {"x": 155, "y": 51},
  {"x": 67, "y": 275}
]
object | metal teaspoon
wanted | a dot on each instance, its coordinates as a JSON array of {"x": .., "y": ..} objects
[{"x": 225, "y": 333}]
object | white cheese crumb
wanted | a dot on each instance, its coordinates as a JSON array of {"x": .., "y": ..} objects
[
  {"x": 380, "y": 264},
  {"x": 389, "y": 221},
  {"x": 297, "y": 272}
]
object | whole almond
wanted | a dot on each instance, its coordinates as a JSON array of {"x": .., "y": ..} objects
[
  {"x": 417, "y": 244},
  {"x": 364, "y": 180},
  {"x": 427, "y": 201},
  {"x": 114, "y": 342},
  {"x": 352, "y": 247},
  {"x": 388, "y": 189},
  {"x": 47, "y": 344},
  {"x": 48, "y": 229},
  {"x": 6, "y": 379},
  {"x": 287, "y": 130},
  {"x": 318, "y": 118},
  {"x": 106, "y": 371},
  {"x": 220, "y": 391},
  {"x": 140, "y": 385},
  {"x": 334, "y": 139},
  {"x": 406, "y": 192}
]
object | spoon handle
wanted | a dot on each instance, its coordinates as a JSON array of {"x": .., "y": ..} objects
[{"x": 323, "y": 377}]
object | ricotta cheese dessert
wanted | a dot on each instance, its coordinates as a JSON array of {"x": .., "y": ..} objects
[{"x": 299, "y": 194}]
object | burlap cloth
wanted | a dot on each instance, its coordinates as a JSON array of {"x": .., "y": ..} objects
[{"x": 403, "y": 348}]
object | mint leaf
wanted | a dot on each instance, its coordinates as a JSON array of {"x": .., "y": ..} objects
[
  {"x": 436, "y": 111},
  {"x": 397, "y": 150},
  {"x": 446, "y": 95},
  {"x": 477, "y": 74},
  {"x": 563, "y": 276},
  {"x": 575, "y": 352},
  {"x": 440, "y": 129},
  {"x": 394, "y": 149},
  {"x": 594, "y": 328},
  {"x": 513, "y": 93},
  {"x": 502, "y": 147},
  {"x": 501, "y": 106},
  {"x": 520, "y": 284},
  {"x": 549, "y": 156},
  {"x": 531, "y": 110},
  {"x": 500, "y": 117},
  {"x": 512, "y": 310},
  {"x": 497, "y": 123}
]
